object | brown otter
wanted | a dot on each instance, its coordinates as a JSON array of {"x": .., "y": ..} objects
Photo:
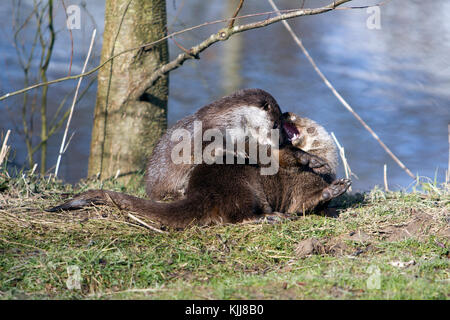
[
  {"x": 251, "y": 110},
  {"x": 304, "y": 189},
  {"x": 232, "y": 193}
]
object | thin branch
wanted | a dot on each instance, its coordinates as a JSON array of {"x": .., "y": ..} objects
[
  {"x": 43, "y": 67},
  {"x": 25, "y": 65},
  {"x": 54, "y": 121},
  {"x": 448, "y": 167},
  {"x": 347, "y": 170},
  {"x": 180, "y": 46},
  {"x": 287, "y": 14},
  {"x": 236, "y": 12},
  {"x": 339, "y": 97},
  {"x": 365, "y": 7},
  {"x": 63, "y": 142},
  {"x": 5, "y": 148},
  {"x": 222, "y": 35},
  {"x": 134, "y": 217},
  {"x": 386, "y": 188},
  {"x": 145, "y": 224},
  {"x": 55, "y": 127}
]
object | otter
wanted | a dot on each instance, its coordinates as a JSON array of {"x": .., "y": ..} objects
[
  {"x": 252, "y": 111},
  {"x": 233, "y": 193},
  {"x": 247, "y": 109},
  {"x": 302, "y": 188}
]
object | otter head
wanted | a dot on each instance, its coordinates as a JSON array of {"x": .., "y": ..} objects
[
  {"x": 309, "y": 136},
  {"x": 293, "y": 132},
  {"x": 304, "y": 133}
]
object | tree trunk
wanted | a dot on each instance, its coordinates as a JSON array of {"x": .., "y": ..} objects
[
  {"x": 232, "y": 56},
  {"x": 124, "y": 131}
]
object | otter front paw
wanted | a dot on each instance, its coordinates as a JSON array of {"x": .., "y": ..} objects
[{"x": 315, "y": 163}]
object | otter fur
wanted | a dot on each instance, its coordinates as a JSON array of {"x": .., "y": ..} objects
[
  {"x": 247, "y": 109},
  {"x": 232, "y": 193}
]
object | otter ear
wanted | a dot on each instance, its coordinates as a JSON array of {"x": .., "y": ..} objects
[{"x": 267, "y": 107}]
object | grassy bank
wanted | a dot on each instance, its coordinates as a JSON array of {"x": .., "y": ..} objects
[{"x": 378, "y": 245}]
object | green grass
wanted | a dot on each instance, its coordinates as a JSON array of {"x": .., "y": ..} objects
[{"x": 119, "y": 259}]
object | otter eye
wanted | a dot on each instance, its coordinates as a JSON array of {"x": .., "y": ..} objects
[{"x": 275, "y": 125}]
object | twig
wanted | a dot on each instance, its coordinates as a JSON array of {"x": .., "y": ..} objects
[
  {"x": 5, "y": 148},
  {"x": 287, "y": 14},
  {"x": 222, "y": 35},
  {"x": 448, "y": 167},
  {"x": 63, "y": 142},
  {"x": 233, "y": 18},
  {"x": 339, "y": 97},
  {"x": 347, "y": 170},
  {"x": 43, "y": 68},
  {"x": 365, "y": 7},
  {"x": 145, "y": 224},
  {"x": 34, "y": 169},
  {"x": 385, "y": 178},
  {"x": 133, "y": 217},
  {"x": 180, "y": 46},
  {"x": 68, "y": 142}
]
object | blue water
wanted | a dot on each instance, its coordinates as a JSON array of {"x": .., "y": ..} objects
[{"x": 396, "y": 78}]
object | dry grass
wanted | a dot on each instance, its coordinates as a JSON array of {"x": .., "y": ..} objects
[{"x": 120, "y": 258}]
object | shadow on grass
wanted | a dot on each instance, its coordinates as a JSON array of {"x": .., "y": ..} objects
[{"x": 343, "y": 202}]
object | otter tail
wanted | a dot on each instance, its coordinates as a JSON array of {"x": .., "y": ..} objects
[{"x": 178, "y": 214}]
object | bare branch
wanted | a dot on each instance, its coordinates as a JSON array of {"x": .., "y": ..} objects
[
  {"x": 340, "y": 98},
  {"x": 63, "y": 142},
  {"x": 5, "y": 148},
  {"x": 222, "y": 35},
  {"x": 365, "y": 7},
  {"x": 286, "y": 14},
  {"x": 233, "y": 18},
  {"x": 447, "y": 180}
]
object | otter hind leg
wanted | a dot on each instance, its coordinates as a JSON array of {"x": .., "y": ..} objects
[{"x": 335, "y": 189}]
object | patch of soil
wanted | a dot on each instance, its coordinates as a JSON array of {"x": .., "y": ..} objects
[
  {"x": 336, "y": 246},
  {"x": 309, "y": 247},
  {"x": 418, "y": 228},
  {"x": 358, "y": 236}
]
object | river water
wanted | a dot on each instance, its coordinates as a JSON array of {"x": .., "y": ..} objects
[{"x": 397, "y": 77}]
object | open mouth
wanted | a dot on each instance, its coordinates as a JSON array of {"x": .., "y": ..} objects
[{"x": 291, "y": 131}]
